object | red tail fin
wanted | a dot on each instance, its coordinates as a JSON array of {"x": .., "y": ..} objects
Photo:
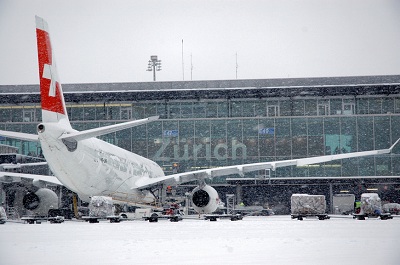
[{"x": 53, "y": 104}]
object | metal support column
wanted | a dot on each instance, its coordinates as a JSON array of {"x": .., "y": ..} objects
[
  {"x": 2, "y": 195},
  {"x": 239, "y": 191},
  {"x": 230, "y": 203},
  {"x": 187, "y": 203},
  {"x": 331, "y": 197}
]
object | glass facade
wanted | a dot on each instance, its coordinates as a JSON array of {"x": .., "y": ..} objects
[{"x": 210, "y": 133}]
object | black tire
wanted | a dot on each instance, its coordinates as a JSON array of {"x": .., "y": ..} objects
[
  {"x": 383, "y": 217},
  {"x": 174, "y": 219},
  {"x": 153, "y": 219}
]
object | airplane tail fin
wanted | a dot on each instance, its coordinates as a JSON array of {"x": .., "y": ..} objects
[{"x": 52, "y": 98}]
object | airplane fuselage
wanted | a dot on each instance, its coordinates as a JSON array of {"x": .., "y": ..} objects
[{"x": 95, "y": 167}]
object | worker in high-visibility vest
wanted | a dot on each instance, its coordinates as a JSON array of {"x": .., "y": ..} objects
[
  {"x": 357, "y": 206},
  {"x": 169, "y": 190}
]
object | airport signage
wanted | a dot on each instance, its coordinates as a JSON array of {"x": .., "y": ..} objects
[
  {"x": 171, "y": 133},
  {"x": 171, "y": 150},
  {"x": 266, "y": 131}
]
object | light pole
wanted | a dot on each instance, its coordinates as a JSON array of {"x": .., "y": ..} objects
[{"x": 154, "y": 65}]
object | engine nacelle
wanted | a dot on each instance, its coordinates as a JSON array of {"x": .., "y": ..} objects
[
  {"x": 205, "y": 200},
  {"x": 41, "y": 201}
]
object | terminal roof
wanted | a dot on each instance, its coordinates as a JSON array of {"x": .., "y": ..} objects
[{"x": 212, "y": 89}]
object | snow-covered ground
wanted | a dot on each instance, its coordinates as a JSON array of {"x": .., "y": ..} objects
[{"x": 254, "y": 240}]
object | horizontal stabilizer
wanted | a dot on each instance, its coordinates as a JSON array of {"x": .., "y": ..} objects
[
  {"x": 19, "y": 165},
  {"x": 20, "y": 136},
  {"x": 9, "y": 177},
  {"x": 78, "y": 136}
]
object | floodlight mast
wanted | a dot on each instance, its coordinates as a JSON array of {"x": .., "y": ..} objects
[{"x": 154, "y": 65}]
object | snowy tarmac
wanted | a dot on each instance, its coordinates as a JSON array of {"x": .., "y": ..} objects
[{"x": 254, "y": 240}]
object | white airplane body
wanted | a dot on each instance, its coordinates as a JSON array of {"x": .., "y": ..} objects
[
  {"x": 92, "y": 167},
  {"x": 99, "y": 167}
]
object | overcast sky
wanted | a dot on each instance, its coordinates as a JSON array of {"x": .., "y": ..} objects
[{"x": 111, "y": 41}]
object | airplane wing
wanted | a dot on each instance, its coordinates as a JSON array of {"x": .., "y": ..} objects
[
  {"x": 20, "y": 136},
  {"x": 241, "y": 169},
  {"x": 38, "y": 180},
  {"x": 19, "y": 165}
]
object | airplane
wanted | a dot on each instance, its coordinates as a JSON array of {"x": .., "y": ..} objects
[{"x": 90, "y": 167}]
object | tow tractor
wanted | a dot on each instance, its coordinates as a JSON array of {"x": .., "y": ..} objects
[
  {"x": 171, "y": 213},
  {"x": 155, "y": 217}
]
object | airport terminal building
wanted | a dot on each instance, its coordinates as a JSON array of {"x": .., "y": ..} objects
[{"x": 205, "y": 124}]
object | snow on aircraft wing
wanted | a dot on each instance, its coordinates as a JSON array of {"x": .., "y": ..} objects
[
  {"x": 9, "y": 177},
  {"x": 78, "y": 136},
  {"x": 20, "y": 136},
  {"x": 19, "y": 165},
  {"x": 241, "y": 169}
]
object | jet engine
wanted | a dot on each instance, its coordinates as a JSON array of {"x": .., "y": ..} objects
[
  {"x": 41, "y": 201},
  {"x": 205, "y": 199}
]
